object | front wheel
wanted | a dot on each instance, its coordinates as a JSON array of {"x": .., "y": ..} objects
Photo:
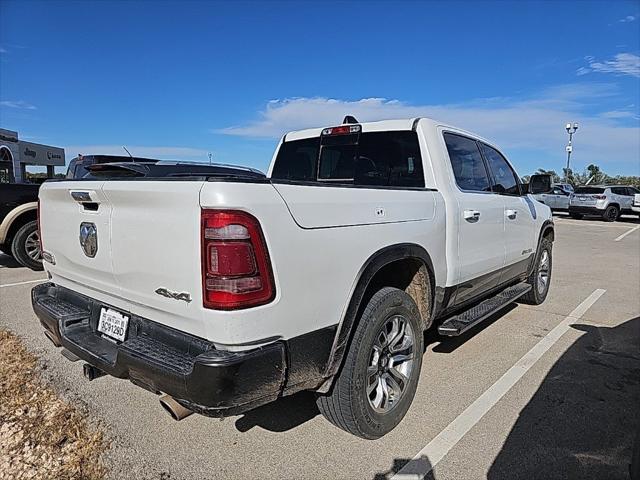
[
  {"x": 540, "y": 276},
  {"x": 378, "y": 380},
  {"x": 25, "y": 246}
]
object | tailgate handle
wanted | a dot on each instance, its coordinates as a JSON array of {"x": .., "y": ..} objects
[{"x": 84, "y": 198}]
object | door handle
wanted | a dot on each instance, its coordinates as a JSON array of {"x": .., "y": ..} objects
[
  {"x": 471, "y": 215},
  {"x": 511, "y": 214}
]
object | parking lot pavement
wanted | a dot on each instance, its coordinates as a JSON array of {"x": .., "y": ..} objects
[{"x": 535, "y": 392}]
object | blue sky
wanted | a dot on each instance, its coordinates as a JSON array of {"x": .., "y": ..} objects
[{"x": 179, "y": 80}]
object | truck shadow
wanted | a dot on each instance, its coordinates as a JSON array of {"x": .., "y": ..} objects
[
  {"x": 582, "y": 420},
  {"x": 8, "y": 262},
  {"x": 282, "y": 415}
]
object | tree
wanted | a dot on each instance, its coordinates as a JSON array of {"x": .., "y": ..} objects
[{"x": 596, "y": 176}]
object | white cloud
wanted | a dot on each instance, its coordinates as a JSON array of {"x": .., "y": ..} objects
[
  {"x": 2, "y": 50},
  {"x": 159, "y": 152},
  {"x": 628, "y": 18},
  {"x": 619, "y": 114},
  {"x": 535, "y": 124},
  {"x": 621, "y": 64},
  {"x": 17, "y": 104}
]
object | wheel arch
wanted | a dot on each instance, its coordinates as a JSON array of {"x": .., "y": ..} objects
[
  {"x": 546, "y": 231},
  {"x": 382, "y": 262},
  {"x": 17, "y": 217}
]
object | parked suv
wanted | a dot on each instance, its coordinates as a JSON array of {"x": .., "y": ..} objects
[
  {"x": 229, "y": 291},
  {"x": 606, "y": 201}
]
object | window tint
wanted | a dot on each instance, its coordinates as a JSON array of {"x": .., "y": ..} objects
[
  {"x": 467, "y": 164},
  {"x": 504, "y": 178},
  {"x": 589, "y": 190},
  {"x": 297, "y": 160},
  {"x": 619, "y": 190},
  {"x": 374, "y": 158},
  {"x": 389, "y": 158}
]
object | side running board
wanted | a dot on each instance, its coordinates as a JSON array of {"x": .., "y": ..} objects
[{"x": 458, "y": 324}]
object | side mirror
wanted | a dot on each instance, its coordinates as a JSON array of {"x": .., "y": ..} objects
[{"x": 539, "y": 184}]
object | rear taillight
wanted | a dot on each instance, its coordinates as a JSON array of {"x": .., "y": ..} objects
[
  {"x": 236, "y": 271},
  {"x": 599, "y": 197}
]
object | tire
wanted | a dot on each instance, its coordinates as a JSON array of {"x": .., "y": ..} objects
[
  {"x": 577, "y": 216},
  {"x": 611, "y": 213},
  {"x": 23, "y": 248},
  {"x": 348, "y": 405},
  {"x": 634, "y": 468},
  {"x": 540, "y": 287}
]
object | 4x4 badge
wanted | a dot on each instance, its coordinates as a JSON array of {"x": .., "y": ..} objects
[
  {"x": 185, "y": 296},
  {"x": 89, "y": 239}
]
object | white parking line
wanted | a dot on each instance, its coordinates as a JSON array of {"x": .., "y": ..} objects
[
  {"x": 23, "y": 283},
  {"x": 626, "y": 233},
  {"x": 586, "y": 223},
  {"x": 437, "y": 448}
]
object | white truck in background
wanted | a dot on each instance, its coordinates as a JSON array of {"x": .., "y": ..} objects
[{"x": 226, "y": 292}]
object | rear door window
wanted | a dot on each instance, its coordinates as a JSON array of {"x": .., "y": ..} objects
[
  {"x": 619, "y": 190},
  {"x": 503, "y": 176},
  {"x": 468, "y": 167}
]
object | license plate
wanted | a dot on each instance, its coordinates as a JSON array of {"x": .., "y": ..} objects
[
  {"x": 113, "y": 324},
  {"x": 582, "y": 199}
]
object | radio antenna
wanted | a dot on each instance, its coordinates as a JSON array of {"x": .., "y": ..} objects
[{"x": 125, "y": 149}]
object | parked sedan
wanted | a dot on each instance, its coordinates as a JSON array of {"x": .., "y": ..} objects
[{"x": 556, "y": 199}]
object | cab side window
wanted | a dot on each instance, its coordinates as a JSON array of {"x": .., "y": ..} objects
[
  {"x": 504, "y": 178},
  {"x": 466, "y": 161}
]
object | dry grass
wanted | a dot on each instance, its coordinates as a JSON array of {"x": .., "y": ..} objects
[{"x": 41, "y": 435}]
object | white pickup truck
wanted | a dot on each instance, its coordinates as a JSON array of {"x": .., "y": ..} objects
[{"x": 226, "y": 292}]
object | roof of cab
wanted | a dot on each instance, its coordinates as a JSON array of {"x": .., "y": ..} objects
[{"x": 381, "y": 126}]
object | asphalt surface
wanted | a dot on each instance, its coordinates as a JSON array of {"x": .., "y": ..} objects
[{"x": 569, "y": 412}]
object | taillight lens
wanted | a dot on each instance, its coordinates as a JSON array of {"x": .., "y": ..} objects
[
  {"x": 236, "y": 271},
  {"x": 599, "y": 197}
]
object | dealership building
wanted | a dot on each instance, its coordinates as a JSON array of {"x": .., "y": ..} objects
[{"x": 16, "y": 155}]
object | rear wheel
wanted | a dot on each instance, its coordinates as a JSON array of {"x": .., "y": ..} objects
[
  {"x": 540, "y": 276},
  {"x": 25, "y": 246},
  {"x": 378, "y": 380},
  {"x": 611, "y": 213}
]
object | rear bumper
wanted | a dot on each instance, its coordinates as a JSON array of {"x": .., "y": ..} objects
[
  {"x": 592, "y": 210},
  {"x": 635, "y": 208},
  {"x": 162, "y": 359}
]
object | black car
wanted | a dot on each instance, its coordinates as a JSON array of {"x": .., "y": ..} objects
[
  {"x": 78, "y": 167},
  {"x": 19, "y": 236}
]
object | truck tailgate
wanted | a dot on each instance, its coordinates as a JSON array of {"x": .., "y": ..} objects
[{"x": 147, "y": 236}]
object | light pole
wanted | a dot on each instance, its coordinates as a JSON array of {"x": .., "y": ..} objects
[{"x": 571, "y": 129}]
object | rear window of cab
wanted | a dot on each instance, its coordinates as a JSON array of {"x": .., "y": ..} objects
[{"x": 365, "y": 159}]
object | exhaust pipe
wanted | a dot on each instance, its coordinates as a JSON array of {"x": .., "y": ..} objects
[{"x": 177, "y": 411}]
